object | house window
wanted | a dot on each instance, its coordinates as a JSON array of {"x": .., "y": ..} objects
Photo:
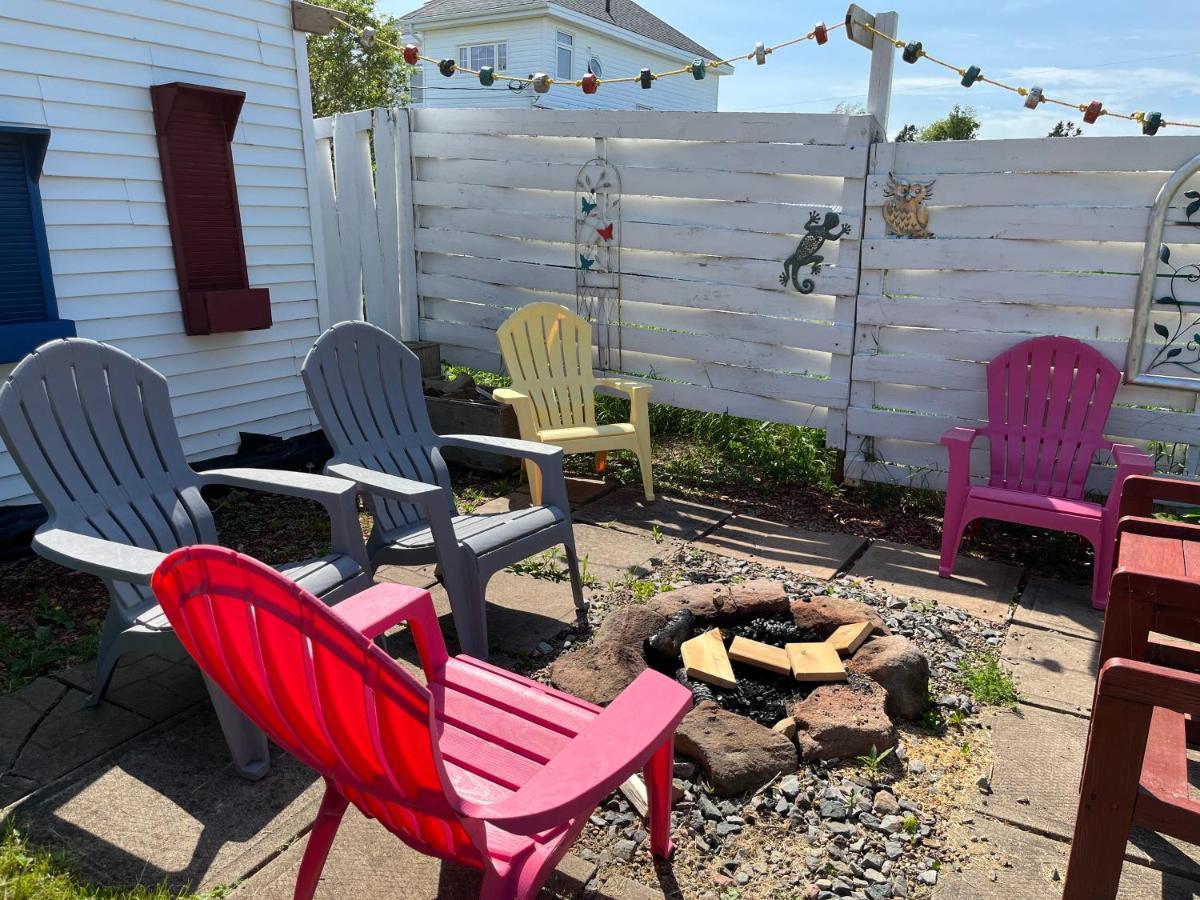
[
  {"x": 595, "y": 68},
  {"x": 476, "y": 56},
  {"x": 28, "y": 308},
  {"x": 566, "y": 55},
  {"x": 195, "y": 125}
]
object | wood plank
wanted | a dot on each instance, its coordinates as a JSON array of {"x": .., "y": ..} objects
[
  {"x": 846, "y": 639},
  {"x": 704, "y": 658},
  {"x": 763, "y": 656},
  {"x": 815, "y": 662}
]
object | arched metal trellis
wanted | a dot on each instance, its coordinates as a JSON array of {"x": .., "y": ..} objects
[
  {"x": 598, "y": 257},
  {"x": 1164, "y": 344}
]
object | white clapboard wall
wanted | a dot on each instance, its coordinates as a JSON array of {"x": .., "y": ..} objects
[
  {"x": 85, "y": 71},
  {"x": 712, "y": 204},
  {"x": 1031, "y": 237}
]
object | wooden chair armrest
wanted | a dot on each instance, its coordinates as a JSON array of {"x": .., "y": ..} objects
[{"x": 1138, "y": 493}]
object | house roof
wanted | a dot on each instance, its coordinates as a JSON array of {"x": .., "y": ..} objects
[{"x": 621, "y": 13}]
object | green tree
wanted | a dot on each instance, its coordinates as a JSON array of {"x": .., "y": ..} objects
[
  {"x": 345, "y": 76},
  {"x": 907, "y": 133},
  {"x": 960, "y": 125},
  {"x": 1065, "y": 129}
]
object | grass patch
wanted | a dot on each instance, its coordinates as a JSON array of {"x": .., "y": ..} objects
[
  {"x": 30, "y": 874},
  {"x": 987, "y": 681}
]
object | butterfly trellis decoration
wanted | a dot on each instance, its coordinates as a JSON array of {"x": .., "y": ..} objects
[{"x": 598, "y": 250}]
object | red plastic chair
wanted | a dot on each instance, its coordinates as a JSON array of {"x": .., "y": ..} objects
[
  {"x": 480, "y": 766},
  {"x": 1048, "y": 402}
]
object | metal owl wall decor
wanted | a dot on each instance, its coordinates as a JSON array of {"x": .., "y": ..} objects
[{"x": 904, "y": 209}]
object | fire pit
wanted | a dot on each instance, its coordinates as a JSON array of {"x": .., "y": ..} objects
[{"x": 769, "y": 682}]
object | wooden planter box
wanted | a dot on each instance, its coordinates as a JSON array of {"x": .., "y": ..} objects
[
  {"x": 430, "y": 355},
  {"x": 470, "y": 417}
]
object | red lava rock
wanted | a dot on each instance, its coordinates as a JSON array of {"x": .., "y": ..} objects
[
  {"x": 842, "y": 721},
  {"x": 725, "y": 602},
  {"x": 630, "y": 625},
  {"x": 597, "y": 672},
  {"x": 903, "y": 671},
  {"x": 826, "y": 614},
  {"x": 737, "y": 754}
]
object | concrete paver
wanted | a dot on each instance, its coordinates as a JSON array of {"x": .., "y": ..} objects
[
  {"x": 367, "y": 862},
  {"x": 170, "y": 807},
  {"x": 155, "y": 686},
  {"x": 1057, "y": 606},
  {"x": 813, "y": 553},
  {"x": 1053, "y": 670},
  {"x": 980, "y": 587},
  {"x": 671, "y": 517},
  {"x": 21, "y": 711},
  {"x": 1012, "y": 864}
]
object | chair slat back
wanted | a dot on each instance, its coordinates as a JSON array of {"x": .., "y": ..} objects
[
  {"x": 366, "y": 389},
  {"x": 1048, "y": 402},
  {"x": 323, "y": 691},
  {"x": 91, "y": 429},
  {"x": 547, "y": 350}
]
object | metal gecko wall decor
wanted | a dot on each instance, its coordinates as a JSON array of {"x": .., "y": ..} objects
[
  {"x": 1164, "y": 342},
  {"x": 598, "y": 255},
  {"x": 817, "y": 230}
]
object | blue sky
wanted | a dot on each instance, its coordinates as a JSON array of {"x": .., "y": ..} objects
[{"x": 1129, "y": 56}]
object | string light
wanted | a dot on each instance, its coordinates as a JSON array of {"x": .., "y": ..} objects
[
  {"x": 589, "y": 83},
  {"x": 1034, "y": 96}
]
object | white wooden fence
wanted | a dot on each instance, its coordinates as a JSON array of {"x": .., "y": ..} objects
[
  {"x": 1041, "y": 236},
  {"x": 470, "y": 215}
]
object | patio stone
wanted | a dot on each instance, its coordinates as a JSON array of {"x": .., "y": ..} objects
[
  {"x": 21, "y": 711},
  {"x": 581, "y": 490},
  {"x": 980, "y": 587},
  {"x": 1057, "y": 606},
  {"x": 153, "y": 686},
  {"x": 367, "y": 862},
  {"x": 1037, "y": 759},
  {"x": 813, "y": 553},
  {"x": 419, "y": 576},
  {"x": 627, "y": 510},
  {"x": 14, "y": 788},
  {"x": 1053, "y": 670},
  {"x": 1027, "y": 866},
  {"x": 612, "y": 554},
  {"x": 71, "y": 734},
  {"x": 524, "y": 611},
  {"x": 168, "y": 806}
]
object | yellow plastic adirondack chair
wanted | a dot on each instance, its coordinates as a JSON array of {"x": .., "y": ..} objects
[{"x": 547, "y": 350}]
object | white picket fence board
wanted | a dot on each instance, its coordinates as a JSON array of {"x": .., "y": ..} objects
[
  {"x": 1097, "y": 154},
  {"x": 1040, "y": 223}
]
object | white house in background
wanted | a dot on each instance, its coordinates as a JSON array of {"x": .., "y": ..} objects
[{"x": 565, "y": 39}]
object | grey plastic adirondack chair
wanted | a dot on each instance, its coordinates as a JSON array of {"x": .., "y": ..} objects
[
  {"x": 366, "y": 389},
  {"x": 91, "y": 429}
]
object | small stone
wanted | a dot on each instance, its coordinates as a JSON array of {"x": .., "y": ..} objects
[
  {"x": 916, "y": 767},
  {"x": 893, "y": 849},
  {"x": 625, "y": 850},
  {"x": 891, "y": 824},
  {"x": 789, "y": 786},
  {"x": 885, "y": 804},
  {"x": 929, "y": 876}
]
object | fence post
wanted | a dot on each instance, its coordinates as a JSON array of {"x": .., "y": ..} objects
[
  {"x": 407, "y": 230},
  {"x": 384, "y": 310},
  {"x": 879, "y": 88}
]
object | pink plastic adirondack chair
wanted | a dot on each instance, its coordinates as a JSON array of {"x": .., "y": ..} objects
[
  {"x": 478, "y": 766},
  {"x": 1048, "y": 402}
]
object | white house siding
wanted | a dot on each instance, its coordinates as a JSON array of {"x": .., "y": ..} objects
[
  {"x": 532, "y": 48},
  {"x": 84, "y": 72}
]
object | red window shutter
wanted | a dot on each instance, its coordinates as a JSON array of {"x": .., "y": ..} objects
[{"x": 195, "y": 126}]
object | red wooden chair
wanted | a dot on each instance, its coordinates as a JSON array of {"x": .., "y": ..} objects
[
  {"x": 1147, "y": 702},
  {"x": 479, "y": 766},
  {"x": 1048, "y": 401}
]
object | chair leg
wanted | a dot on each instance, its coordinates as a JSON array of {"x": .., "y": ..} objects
[
  {"x": 112, "y": 648},
  {"x": 658, "y": 773},
  {"x": 467, "y": 589},
  {"x": 247, "y": 742},
  {"x": 581, "y": 603},
  {"x": 644, "y": 463},
  {"x": 534, "y": 474},
  {"x": 1107, "y": 796},
  {"x": 952, "y": 535},
  {"x": 1101, "y": 572},
  {"x": 320, "y": 839}
]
